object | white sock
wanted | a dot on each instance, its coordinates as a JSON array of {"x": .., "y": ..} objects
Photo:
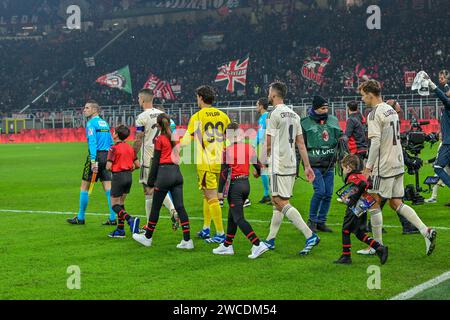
[
  {"x": 413, "y": 218},
  {"x": 277, "y": 218},
  {"x": 435, "y": 191},
  {"x": 294, "y": 216},
  {"x": 148, "y": 205},
  {"x": 169, "y": 204},
  {"x": 376, "y": 220}
]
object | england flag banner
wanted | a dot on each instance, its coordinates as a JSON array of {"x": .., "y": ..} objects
[{"x": 234, "y": 72}]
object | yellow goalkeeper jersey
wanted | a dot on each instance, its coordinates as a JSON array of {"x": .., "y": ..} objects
[{"x": 207, "y": 127}]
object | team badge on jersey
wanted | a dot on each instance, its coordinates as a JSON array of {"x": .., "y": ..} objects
[{"x": 325, "y": 136}]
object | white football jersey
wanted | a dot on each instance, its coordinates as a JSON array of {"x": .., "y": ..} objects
[
  {"x": 383, "y": 122},
  {"x": 283, "y": 125},
  {"x": 146, "y": 122}
]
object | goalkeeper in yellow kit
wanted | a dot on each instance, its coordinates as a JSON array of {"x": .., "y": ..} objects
[{"x": 207, "y": 128}]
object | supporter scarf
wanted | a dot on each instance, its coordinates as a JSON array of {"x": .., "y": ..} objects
[{"x": 317, "y": 117}]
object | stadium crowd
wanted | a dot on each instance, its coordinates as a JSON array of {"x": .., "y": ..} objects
[{"x": 408, "y": 40}]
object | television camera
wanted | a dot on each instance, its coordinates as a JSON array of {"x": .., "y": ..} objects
[{"x": 413, "y": 142}]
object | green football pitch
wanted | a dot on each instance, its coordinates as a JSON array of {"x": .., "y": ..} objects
[{"x": 39, "y": 186}]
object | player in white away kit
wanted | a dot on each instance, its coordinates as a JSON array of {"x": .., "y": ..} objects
[
  {"x": 146, "y": 133},
  {"x": 386, "y": 164},
  {"x": 283, "y": 133}
]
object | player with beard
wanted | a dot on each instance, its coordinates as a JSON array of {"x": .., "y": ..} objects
[{"x": 284, "y": 132}]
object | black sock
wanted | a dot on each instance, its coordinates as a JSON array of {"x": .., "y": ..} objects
[
  {"x": 120, "y": 224},
  {"x": 229, "y": 240},
  {"x": 368, "y": 240},
  {"x": 186, "y": 230},
  {"x": 149, "y": 229},
  {"x": 253, "y": 238},
  {"x": 346, "y": 243}
]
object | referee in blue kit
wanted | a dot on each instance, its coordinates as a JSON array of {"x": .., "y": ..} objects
[{"x": 99, "y": 141}]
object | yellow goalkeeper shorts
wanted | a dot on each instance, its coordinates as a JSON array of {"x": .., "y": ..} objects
[{"x": 208, "y": 180}]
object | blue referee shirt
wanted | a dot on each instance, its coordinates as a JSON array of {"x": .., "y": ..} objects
[
  {"x": 261, "y": 128},
  {"x": 173, "y": 126},
  {"x": 98, "y": 136}
]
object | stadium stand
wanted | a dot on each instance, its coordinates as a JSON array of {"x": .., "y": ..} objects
[{"x": 174, "y": 52}]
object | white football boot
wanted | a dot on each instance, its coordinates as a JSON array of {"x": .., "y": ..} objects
[
  {"x": 369, "y": 251},
  {"x": 222, "y": 250},
  {"x": 142, "y": 239},
  {"x": 188, "y": 245},
  {"x": 258, "y": 250}
]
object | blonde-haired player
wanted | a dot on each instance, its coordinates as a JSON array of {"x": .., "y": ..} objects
[{"x": 207, "y": 127}]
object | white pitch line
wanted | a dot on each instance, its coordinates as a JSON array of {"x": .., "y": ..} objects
[
  {"x": 422, "y": 287},
  {"x": 166, "y": 217}
]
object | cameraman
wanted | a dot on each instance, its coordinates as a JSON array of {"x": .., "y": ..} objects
[{"x": 443, "y": 157}]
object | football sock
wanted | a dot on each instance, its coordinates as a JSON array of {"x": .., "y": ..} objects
[
  {"x": 265, "y": 182},
  {"x": 435, "y": 191},
  {"x": 368, "y": 240},
  {"x": 216, "y": 214},
  {"x": 125, "y": 215},
  {"x": 150, "y": 228},
  {"x": 376, "y": 220},
  {"x": 229, "y": 240},
  {"x": 277, "y": 218},
  {"x": 413, "y": 218},
  {"x": 294, "y": 216},
  {"x": 112, "y": 214},
  {"x": 346, "y": 243},
  {"x": 184, "y": 223},
  {"x": 206, "y": 214},
  {"x": 84, "y": 199},
  {"x": 186, "y": 230},
  {"x": 148, "y": 205},
  {"x": 168, "y": 203},
  {"x": 118, "y": 209},
  {"x": 253, "y": 238}
]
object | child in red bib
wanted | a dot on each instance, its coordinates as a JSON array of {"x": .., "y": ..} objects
[
  {"x": 353, "y": 221},
  {"x": 122, "y": 161}
]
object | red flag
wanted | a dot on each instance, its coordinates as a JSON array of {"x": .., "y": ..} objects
[
  {"x": 314, "y": 66},
  {"x": 409, "y": 78},
  {"x": 161, "y": 89},
  {"x": 370, "y": 72},
  {"x": 234, "y": 71}
]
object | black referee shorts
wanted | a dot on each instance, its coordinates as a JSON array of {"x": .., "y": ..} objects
[
  {"x": 103, "y": 174},
  {"x": 121, "y": 183}
]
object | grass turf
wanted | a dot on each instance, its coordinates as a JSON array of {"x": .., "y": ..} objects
[
  {"x": 36, "y": 248},
  {"x": 439, "y": 292}
]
